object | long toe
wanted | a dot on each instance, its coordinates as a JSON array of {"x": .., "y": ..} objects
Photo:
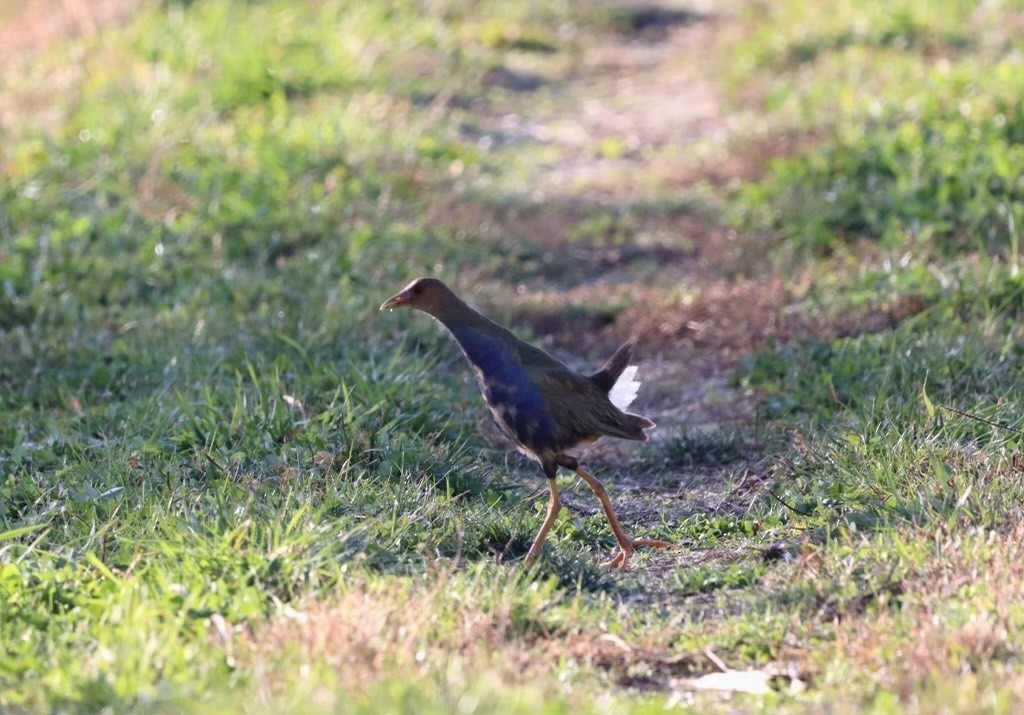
[
  {"x": 654, "y": 543},
  {"x": 619, "y": 561}
]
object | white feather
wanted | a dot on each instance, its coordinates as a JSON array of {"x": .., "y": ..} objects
[{"x": 624, "y": 390}]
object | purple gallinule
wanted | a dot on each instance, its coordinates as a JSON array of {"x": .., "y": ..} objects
[{"x": 545, "y": 408}]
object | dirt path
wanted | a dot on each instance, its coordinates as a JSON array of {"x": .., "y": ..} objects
[{"x": 621, "y": 236}]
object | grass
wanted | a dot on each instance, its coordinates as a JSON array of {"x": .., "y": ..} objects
[{"x": 227, "y": 482}]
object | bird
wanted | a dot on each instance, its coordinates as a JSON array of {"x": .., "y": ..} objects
[{"x": 546, "y": 409}]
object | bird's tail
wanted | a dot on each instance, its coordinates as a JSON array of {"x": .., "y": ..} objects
[
  {"x": 626, "y": 425},
  {"x": 640, "y": 423},
  {"x": 618, "y": 378},
  {"x": 607, "y": 377}
]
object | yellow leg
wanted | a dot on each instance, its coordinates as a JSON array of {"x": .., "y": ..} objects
[
  {"x": 626, "y": 544},
  {"x": 554, "y": 506}
]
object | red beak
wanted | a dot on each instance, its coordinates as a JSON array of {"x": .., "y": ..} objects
[{"x": 397, "y": 301}]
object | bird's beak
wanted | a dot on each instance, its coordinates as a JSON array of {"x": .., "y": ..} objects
[{"x": 397, "y": 301}]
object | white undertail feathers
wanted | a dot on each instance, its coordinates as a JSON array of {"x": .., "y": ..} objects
[{"x": 624, "y": 390}]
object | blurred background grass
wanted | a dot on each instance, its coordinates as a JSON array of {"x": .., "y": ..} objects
[{"x": 214, "y": 451}]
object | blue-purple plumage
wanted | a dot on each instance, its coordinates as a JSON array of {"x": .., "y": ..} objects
[{"x": 514, "y": 400}]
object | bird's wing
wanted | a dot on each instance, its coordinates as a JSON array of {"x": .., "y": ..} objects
[
  {"x": 580, "y": 407},
  {"x": 533, "y": 358}
]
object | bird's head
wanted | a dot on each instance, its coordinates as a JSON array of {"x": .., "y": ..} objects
[{"x": 427, "y": 294}]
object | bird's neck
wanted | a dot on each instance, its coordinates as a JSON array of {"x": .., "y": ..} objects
[
  {"x": 457, "y": 314},
  {"x": 483, "y": 341}
]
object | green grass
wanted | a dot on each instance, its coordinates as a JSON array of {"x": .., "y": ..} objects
[{"x": 228, "y": 482}]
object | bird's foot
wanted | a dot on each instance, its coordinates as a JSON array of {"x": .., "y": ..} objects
[{"x": 621, "y": 559}]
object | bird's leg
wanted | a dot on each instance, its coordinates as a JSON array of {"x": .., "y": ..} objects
[
  {"x": 554, "y": 506},
  {"x": 626, "y": 544}
]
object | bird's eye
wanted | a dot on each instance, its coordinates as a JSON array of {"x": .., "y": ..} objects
[{"x": 417, "y": 289}]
